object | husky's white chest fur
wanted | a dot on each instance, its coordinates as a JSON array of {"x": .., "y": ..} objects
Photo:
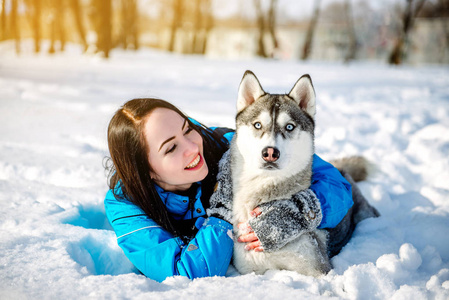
[{"x": 271, "y": 159}]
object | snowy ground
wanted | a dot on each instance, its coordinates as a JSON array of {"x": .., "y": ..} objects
[{"x": 56, "y": 243}]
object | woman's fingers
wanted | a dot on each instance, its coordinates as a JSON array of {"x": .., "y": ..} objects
[
  {"x": 248, "y": 235},
  {"x": 255, "y": 212},
  {"x": 254, "y": 245},
  {"x": 252, "y": 241},
  {"x": 246, "y": 238}
]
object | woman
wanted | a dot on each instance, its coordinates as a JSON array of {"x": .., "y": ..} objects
[{"x": 164, "y": 171}]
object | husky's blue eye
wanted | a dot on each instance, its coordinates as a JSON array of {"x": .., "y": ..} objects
[
  {"x": 257, "y": 125},
  {"x": 289, "y": 127}
]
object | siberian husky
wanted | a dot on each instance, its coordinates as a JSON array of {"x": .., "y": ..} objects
[{"x": 271, "y": 159}]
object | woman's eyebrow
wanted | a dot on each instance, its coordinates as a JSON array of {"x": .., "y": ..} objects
[{"x": 171, "y": 138}]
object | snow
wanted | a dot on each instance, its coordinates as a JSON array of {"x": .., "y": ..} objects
[{"x": 55, "y": 241}]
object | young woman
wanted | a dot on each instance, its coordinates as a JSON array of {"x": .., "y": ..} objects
[{"x": 164, "y": 172}]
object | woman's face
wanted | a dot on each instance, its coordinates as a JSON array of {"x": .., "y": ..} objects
[{"x": 175, "y": 150}]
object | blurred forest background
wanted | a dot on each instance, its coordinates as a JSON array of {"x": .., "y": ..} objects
[{"x": 392, "y": 31}]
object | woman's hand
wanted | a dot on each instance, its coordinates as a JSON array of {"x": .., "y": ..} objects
[
  {"x": 248, "y": 235},
  {"x": 281, "y": 221}
]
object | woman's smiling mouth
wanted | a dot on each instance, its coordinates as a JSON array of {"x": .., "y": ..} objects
[{"x": 194, "y": 163}]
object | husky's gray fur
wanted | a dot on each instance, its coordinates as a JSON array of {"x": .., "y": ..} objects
[{"x": 271, "y": 159}]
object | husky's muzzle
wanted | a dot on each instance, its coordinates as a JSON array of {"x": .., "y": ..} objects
[{"x": 270, "y": 154}]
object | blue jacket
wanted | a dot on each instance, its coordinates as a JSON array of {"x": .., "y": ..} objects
[{"x": 158, "y": 254}]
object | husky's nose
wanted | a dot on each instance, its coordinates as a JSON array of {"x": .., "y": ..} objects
[{"x": 270, "y": 154}]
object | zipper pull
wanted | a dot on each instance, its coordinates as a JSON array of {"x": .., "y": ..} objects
[{"x": 191, "y": 205}]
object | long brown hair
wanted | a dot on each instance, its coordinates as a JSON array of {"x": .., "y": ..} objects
[{"x": 130, "y": 170}]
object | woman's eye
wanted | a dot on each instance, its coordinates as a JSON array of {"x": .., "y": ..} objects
[
  {"x": 289, "y": 127},
  {"x": 171, "y": 149},
  {"x": 189, "y": 130},
  {"x": 257, "y": 125}
]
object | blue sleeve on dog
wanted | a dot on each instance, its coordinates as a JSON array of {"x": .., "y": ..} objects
[{"x": 332, "y": 190}]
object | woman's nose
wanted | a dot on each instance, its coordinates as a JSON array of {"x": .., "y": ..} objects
[{"x": 190, "y": 147}]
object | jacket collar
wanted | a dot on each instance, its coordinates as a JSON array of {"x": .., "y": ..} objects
[{"x": 178, "y": 205}]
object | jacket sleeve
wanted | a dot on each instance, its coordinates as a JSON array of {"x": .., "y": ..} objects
[
  {"x": 332, "y": 190},
  {"x": 158, "y": 254}
]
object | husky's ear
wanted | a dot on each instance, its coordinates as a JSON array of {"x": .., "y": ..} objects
[
  {"x": 304, "y": 94},
  {"x": 249, "y": 90}
]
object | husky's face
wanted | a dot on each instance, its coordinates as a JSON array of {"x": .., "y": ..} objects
[{"x": 275, "y": 132}]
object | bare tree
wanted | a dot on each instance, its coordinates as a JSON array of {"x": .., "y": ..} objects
[
  {"x": 57, "y": 24},
  {"x": 272, "y": 23},
  {"x": 3, "y": 22},
  {"x": 134, "y": 32},
  {"x": 177, "y": 8},
  {"x": 440, "y": 10},
  {"x": 266, "y": 23},
  {"x": 52, "y": 18},
  {"x": 77, "y": 14},
  {"x": 208, "y": 24},
  {"x": 307, "y": 48},
  {"x": 15, "y": 29},
  {"x": 106, "y": 27},
  {"x": 261, "y": 26},
  {"x": 202, "y": 25},
  {"x": 410, "y": 13},
  {"x": 37, "y": 24},
  {"x": 60, "y": 8},
  {"x": 353, "y": 43},
  {"x": 197, "y": 22},
  {"x": 445, "y": 5},
  {"x": 101, "y": 15},
  {"x": 129, "y": 29}
]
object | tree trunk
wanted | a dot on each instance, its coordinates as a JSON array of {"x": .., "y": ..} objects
[
  {"x": 37, "y": 25},
  {"x": 4, "y": 35},
  {"x": 307, "y": 48},
  {"x": 208, "y": 19},
  {"x": 124, "y": 24},
  {"x": 106, "y": 28},
  {"x": 104, "y": 42},
  {"x": 53, "y": 13},
  {"x": 60, "y": 11},
  {"x": 76, "y": 9},
  {"x": 261, "y": 25},
  {"x": 353, "y": 44},
  {"x": 134, "y": 22},
  {"x": 57, "y": 25},
  {"x": 15, "y": 29},
  {"x": 128, "y": 34},
  {"x": 176, "y": 23},
  {"x": 443, "y": 9},
  {"x": 272, "y": 23},
  {"x": 196, "y": 27},
  {"x": 398, "y": 52}
]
